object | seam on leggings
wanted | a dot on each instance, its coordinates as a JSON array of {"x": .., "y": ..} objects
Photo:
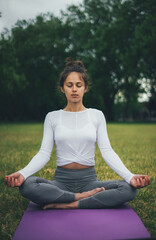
[
  {"x": 99, "y": 201},
  {"x": 92, "y": 198},
  {"x": 63, "y": 193}
]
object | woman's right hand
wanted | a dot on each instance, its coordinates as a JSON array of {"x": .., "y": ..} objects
[{"x": 14, "y": 180}]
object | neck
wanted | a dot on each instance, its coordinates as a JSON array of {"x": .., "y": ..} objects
[{"x": 74, "y": 108}]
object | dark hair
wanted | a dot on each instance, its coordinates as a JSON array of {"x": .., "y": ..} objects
[{"x": 74, "y": 66}]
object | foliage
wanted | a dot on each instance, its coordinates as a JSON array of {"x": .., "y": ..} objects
[
  {"x": 36, "y": 47},
  {"x": 116, "y": 41},
  {"x": 112, "y": 52}
]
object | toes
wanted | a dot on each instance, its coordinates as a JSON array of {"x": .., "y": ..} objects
[
  {"x": 100, "y": 189},
  {"x": 48, "y": 206}
]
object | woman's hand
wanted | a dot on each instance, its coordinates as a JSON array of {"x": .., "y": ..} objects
[
  {"x": 140, "y": 181},
  {"x": 14, "y": 180}
]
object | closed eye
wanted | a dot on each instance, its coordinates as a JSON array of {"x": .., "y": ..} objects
[{"x": 72, "y": 85}]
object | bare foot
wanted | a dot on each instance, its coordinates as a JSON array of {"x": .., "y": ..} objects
[
  {"x": 62, "y": 205},
  {"x": 89, "y": 193},
  {"x": 74, "y": 204}
]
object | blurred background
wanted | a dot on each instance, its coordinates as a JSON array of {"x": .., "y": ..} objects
[{"x": 115, "y": 39}]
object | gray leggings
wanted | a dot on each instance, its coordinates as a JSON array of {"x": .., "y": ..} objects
[{"x": 67, "y": 182}]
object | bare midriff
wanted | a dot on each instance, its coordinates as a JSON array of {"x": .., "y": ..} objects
[{"x": 74, "y": 166}]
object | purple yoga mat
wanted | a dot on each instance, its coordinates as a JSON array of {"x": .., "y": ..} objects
[{"x": 80, "y": 224}]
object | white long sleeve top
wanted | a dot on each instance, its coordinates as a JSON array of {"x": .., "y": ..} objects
[{"x": 75, "y": 135}]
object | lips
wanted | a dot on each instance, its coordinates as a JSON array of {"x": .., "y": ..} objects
[{"x": 74, "y": 95}]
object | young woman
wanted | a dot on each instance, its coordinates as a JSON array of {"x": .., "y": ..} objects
[{"x": 75, "y": 131}]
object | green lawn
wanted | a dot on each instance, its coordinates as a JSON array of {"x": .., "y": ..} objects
[{"x": 134, "y": 143}]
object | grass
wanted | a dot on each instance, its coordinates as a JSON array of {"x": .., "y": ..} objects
[{"x": 134, "y": 143}]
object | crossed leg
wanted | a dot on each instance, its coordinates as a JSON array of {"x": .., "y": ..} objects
[
  {"x": 50, "y": 193},
  {"x": 43, "y": 191},
  {"x": 116, "y": 193}
]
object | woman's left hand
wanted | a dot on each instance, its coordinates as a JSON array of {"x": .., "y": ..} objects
[{"x": 140, "y": 181}]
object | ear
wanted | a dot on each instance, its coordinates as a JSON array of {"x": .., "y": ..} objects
[
  {"x": 62, "y": 90},
  {"x": 86, "y": 89}
]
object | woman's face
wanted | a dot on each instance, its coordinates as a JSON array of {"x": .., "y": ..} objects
[{"x": 74, "y": 88}]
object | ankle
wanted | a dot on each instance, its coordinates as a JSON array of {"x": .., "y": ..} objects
[
  {"x": 78, "y": 196},
  {"x": 73, "y": 205}
]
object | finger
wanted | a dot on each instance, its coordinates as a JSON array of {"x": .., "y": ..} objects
[
  {"x": 147, "y": 180},
  {"x": 12, "y": 182},
  {"x": 143, "y": 182},
  {"x": 6, "y": 180},
  {"x": 138, "y": 182},
  {"x": 16, "y": 183}
]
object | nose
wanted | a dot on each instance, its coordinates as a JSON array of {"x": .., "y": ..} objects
[{"x": 74, "y": 88}]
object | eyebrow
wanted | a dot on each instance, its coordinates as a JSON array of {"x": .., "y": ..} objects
[{"x": 72, "y": 82}]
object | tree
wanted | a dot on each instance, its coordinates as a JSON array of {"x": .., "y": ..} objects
[
  {"x": 11, "y": 82},
  {"x": 103, "y": 33},
  {"x": 144, "y": 46},
  {"x": 38, "y": 53},
  {"x": 115, "y": 39}
]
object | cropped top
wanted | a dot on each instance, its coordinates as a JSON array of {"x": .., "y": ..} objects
[{"x": 75, "y": 135}]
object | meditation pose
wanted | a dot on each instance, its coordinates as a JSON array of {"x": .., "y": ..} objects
[{"x": 75, "y": 130}]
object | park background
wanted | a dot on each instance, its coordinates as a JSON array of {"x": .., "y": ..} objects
[{"x": 115, "y": 39}]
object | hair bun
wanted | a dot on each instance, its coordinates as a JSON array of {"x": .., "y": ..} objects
[
  {"x": 71, "y": 63},
  {"x": 74, "y": 66}
]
